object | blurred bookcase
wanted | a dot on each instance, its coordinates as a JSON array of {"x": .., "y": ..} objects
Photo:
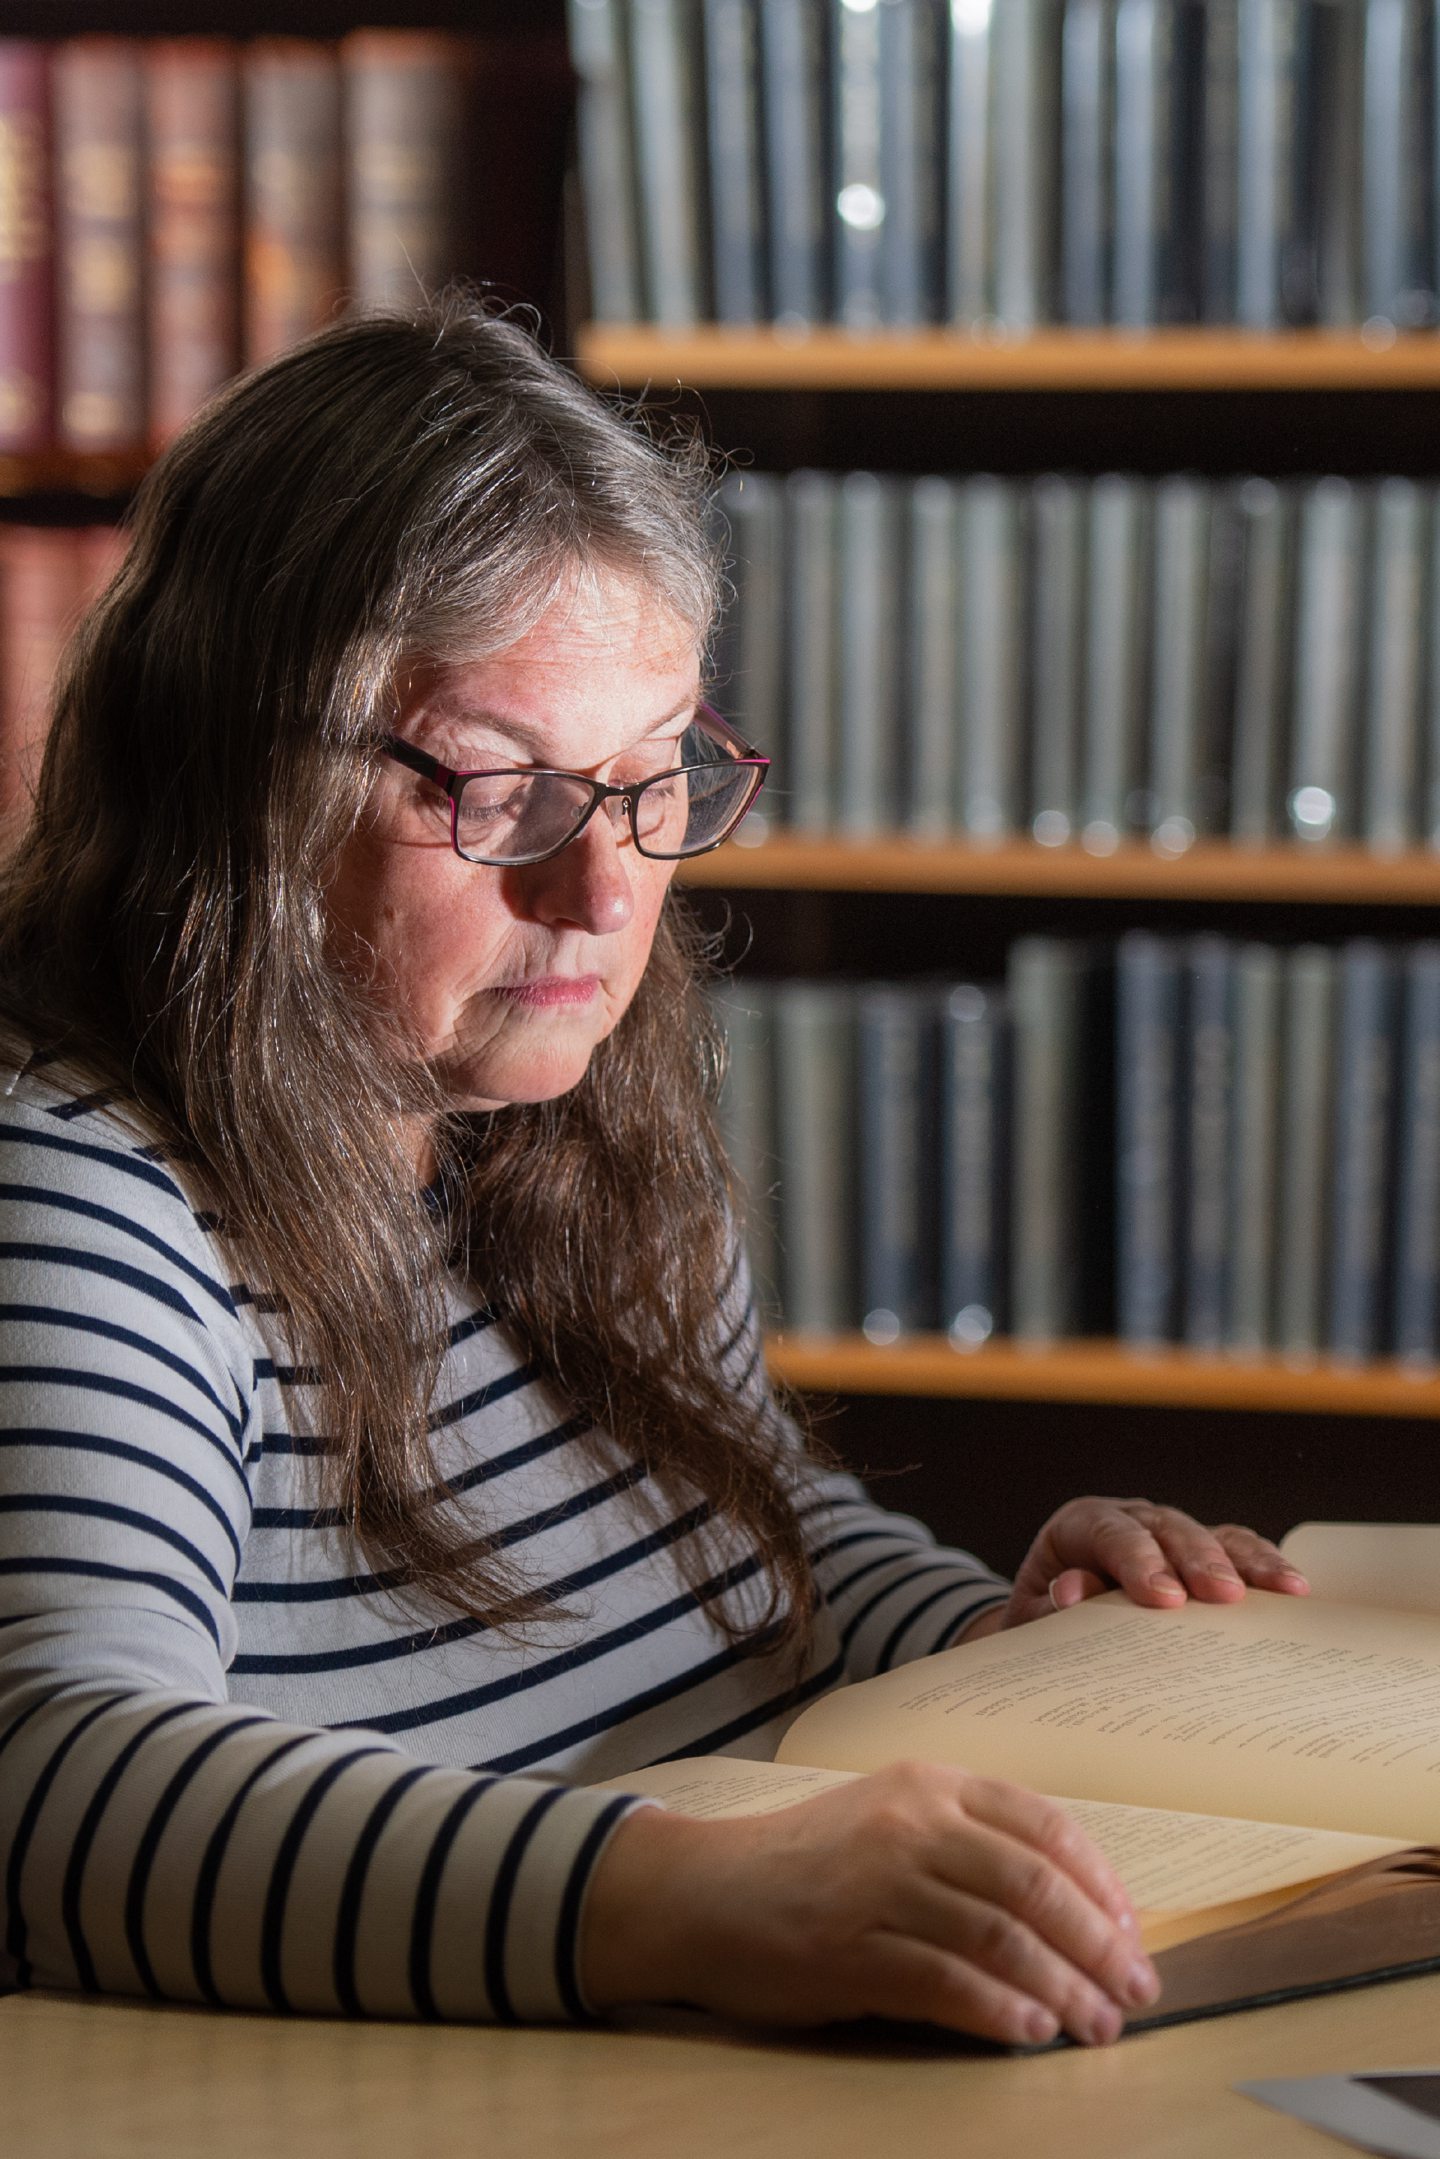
[{"x": 919, "y": 361}]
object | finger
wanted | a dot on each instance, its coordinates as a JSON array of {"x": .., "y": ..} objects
[
  {"x": 998, "y": 1943},
  {"x": 1043, "y": 1825},
  {"x": 1118, "y": 1538},
  {"x": 1074, "y": 1586},
  {"x": 1042, "y": 1901},
  {"x": 918, "y": 1982},
  {"x": 1259, "y": 1561}
]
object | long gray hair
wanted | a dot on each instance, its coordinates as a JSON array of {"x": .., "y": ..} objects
[{"x": 398, "y": 487}]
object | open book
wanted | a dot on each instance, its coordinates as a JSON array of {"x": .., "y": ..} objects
[{"x": 1263, "y": 1776}]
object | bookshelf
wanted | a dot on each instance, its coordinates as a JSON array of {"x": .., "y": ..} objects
[
  {"x": 1099, "y": 1372},
  {"x": 636, "y": 356},
  {"x": 1210, "y": 870}
]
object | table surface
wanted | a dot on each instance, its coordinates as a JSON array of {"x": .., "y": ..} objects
[{"x": 112, "y": 2079}]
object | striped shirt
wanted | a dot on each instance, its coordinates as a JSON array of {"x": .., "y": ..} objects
[{"x": 237, "y": 1768}]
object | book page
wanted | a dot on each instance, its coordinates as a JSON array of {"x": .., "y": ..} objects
[
  {"x": 1170, "y": 1863},
  {"x": 1392, "y": 1564},
  {"x": 1278, "y": 1709}
]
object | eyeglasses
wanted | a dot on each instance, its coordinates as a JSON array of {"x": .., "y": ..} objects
[{"x": 506, "y": 818}]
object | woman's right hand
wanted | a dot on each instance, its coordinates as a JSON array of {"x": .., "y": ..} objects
[{"x": 919, "y": 1892}]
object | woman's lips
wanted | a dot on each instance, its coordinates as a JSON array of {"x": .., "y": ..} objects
[{"x": 551, "y": 990}]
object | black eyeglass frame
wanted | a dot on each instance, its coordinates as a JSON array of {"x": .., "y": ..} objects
[{"x": 452, "y": 785}]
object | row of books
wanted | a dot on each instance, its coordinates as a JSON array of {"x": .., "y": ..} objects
[
  {"x": 48, "y": 576},
  {"x": 1006, "y": 163},
  {"x": 172, "y": 209},
  {"x": 1088, "y": 658},
  {"x": 1228, "y": 1145}
]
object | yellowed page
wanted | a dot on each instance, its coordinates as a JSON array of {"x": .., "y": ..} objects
[
  {"x": 1392, "y": 1564},
  {"x": 1276, "y": 1709},
  {"x": 713, "y": 1786},
  {"x": 1170, "y": 1863}
]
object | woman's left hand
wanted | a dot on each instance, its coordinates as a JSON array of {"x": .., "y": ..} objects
[{"x": 1157, "y": 1555}]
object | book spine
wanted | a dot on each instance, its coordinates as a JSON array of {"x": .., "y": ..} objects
[
  {"x": 1307, "y": 1073},
  {"x": 1220, "y": 160},
  {"x": 100, "y": 322},
  {"x": 993, "y": 640},
  {"x": 793, "y": 86},
  {"x": 606, "y": 148},
  {"x": 752, "y": 506},
  {"x": 746, "y": 1114},
  {"x": 1417, "y": 1182},
  {"x": 1045, "y": 992},
  {"x": 40, "y": 598},
  {"x": 869, "y": 653},
  {"x": 969, "y": 170},
  {"x": 811, "y": 651},
  {"x": 192, "y": 117},
  {"x": 911, "y": 166},
  {"x": 1208, "y": 1059},
  {"x": 1219, "y": 657},
  {"x": 971, "y": 1076},
  {"x": 1328, "y": 645},
  {"x": 1398, "y": 281},
  {"x": 1339, "y": 166},
  {"x": 861, "y": 229},
  {"x": 737, "y": 208},
  {"x": 1115, "y": 652},
  {"x": 1177, "y": 678},
  {"x": 1430, "y": 716},
  {"x": 294, "y": 228},
  {"x": 1057, "y": 508},
  {"x": 404, "y": 95},
  {"x": 1026, "y": 58},
  {"x": 895, "y": 1153},
  {"x": 1144, "y": 207},
  {"x": 814, "y": 1123},
  {"x": 1395, "y": 686},
  {"x": 1269, "y": 131},
  {"x": 669, "y": 134},
  {"x": 1263, "y": 662},
  {"x": 27, "y": 259},
  {"x": 1086, "y": 97},
  {"x": 932, "y": 655},
  {"x": 1364, "y": 1090},
  {"x": 1147, "y": 1021},
  {"x": 1252, "y": 1170}
]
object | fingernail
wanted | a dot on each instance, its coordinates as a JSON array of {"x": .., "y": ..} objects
[
  {"x": 1224, "y": 1574},
  {"x": 1040, "y": 2025},
  {"x": 1104, "y": 2026},
  {"x": 1165, "y": 1581},
  {"x": 1141, "y": 1984}
]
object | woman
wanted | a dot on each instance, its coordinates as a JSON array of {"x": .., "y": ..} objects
[{"x": 386, "y": 1436}]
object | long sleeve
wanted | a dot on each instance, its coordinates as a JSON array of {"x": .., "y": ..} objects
[{"x": 156, "y": 1837}]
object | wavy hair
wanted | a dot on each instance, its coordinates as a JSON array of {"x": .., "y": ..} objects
[{"x": 408, "y": 486}]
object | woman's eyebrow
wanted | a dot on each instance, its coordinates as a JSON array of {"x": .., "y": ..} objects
[{"x": 452, "y": 722}]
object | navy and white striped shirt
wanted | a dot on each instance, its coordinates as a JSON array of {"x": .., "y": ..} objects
[{"x": 235, "y": 1767}]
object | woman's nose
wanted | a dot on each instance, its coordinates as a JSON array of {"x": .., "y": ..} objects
[{"x": 587, "y": 885}]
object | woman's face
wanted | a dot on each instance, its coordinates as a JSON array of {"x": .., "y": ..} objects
[{"x": 504, "y": 980}]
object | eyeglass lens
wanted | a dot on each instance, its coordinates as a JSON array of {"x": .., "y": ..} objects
[{"x": 511, "y": 818}]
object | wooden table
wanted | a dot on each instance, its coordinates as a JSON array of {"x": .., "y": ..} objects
[{"x": 115, "y": 2080}]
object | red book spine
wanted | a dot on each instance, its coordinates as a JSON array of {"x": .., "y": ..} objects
[
  {"x": 192, "y": 111},
  {"x": 294, "y": 216},
  {"x": 26, "y": 249},
  {"x": 405, "y": 160},
  {"x": 101, "y": 323},
  {"x": 40, "y": 596}
]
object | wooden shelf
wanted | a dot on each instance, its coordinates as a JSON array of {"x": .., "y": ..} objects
[
  {"x": 711, "y": 356},
  {"x": 73, "y": 472},
  {"x": 1210, "y": 870},
  {"x": 1100, "y": 1371}
]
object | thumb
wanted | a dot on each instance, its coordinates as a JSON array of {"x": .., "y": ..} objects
[{"x": 1074, "y": 1586}]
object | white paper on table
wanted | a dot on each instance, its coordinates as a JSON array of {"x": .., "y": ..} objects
[{"x": 1368, "y": 2110}]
